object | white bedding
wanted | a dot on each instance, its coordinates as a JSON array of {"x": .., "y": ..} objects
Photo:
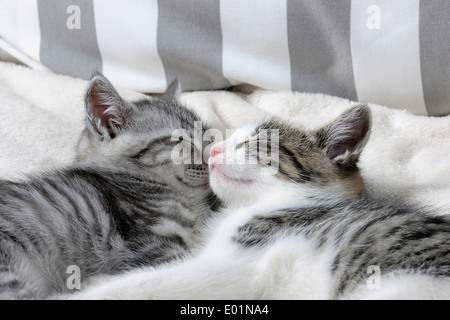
[{"x": 42, "y": 115}]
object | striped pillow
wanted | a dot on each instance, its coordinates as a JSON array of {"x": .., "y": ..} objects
[{"x": 394, "y": 53}]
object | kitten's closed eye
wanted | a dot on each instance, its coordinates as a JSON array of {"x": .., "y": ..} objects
[
  {"x": 139, "y": 154},
  {"x": 241, "y": 144},
  {"x": 155, "y": 146},
  {"x": 275, "y": 154}
]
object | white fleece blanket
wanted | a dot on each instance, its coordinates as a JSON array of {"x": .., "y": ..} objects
[{"x": 42, "y": 115}]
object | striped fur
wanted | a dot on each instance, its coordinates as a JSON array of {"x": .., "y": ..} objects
[
  {"x": 305, "y": 232},
  {"x": 125, "y": 204},
  {"x": 360, "y": 231},
  {"x": 395, "y": 237},
  {"x": 103, "y": 221},
  {"x": 138, "y": 135}
]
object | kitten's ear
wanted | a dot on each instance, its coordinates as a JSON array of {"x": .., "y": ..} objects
[
  {"x": 106, "y": 111},
  {"x": 344, "y": 139},
  {"x": 173, "y": 93}
]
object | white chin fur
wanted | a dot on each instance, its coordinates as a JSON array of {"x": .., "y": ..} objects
[
  {"x": 233, "y": 193},
  {"x": 262, "y": 189},
  {"x": 271, "y": 190}
]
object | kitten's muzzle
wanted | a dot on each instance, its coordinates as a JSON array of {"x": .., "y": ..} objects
[{"x": 196, "y": 176}]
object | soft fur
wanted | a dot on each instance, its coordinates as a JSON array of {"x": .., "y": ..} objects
[
  {"x": 124, "y": 204},
  {"x": 302, "y": 232},
  {"x": 406, "y": 156}
]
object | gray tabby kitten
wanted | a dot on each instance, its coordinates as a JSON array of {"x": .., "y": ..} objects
[
  {"x": 304, "y": 232},
  {"x": 125, "y": 205}
]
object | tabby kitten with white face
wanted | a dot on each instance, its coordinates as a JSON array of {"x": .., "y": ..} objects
[
  {"x": 305, "y": 232},
  {"x": 319, "y": 165}
]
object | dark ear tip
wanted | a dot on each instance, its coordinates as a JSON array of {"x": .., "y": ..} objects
[
  {"x": 360, "y": 113},
  {"x": 363, "y": 111},
  {"x": 346, "y": 137},
  {"x": 96, "y": 73},
  {"x": 98, "y": 78},
  {"x": 99, "y": 90},
  {"x": 175, "y": 83},
  {"x": 100, "y": 84},
  {"x": 173, "y": 92}
]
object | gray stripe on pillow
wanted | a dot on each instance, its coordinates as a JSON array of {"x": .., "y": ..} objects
[
  {"x": 435, "y": 55},
  {"x": 319, "y": 45},
  {"x": 190, "y": 43},
  {"x": 68, "y": 37}
]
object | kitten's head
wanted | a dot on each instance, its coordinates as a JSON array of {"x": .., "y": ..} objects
[
  {"x": 275, "y": 159},
  {"x": 140, "y": 136}
]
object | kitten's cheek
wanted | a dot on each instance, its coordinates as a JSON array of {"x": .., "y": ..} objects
[
  {"x": 217, "y": 184},
  {"x": 211, "y": 164},
  {"x": 216, "y": 177},
  {"x": 214, "y": 173}
]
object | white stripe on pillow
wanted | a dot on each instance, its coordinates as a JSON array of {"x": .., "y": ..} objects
[
  {"x": 255, "y": 43},
  {"x": 19, "y": 26},
  {"x": 386, "y": 53},
  {"x": 127, "y": 40}
]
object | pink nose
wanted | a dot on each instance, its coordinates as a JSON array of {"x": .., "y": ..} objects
[{"x": 215, "y": 150}]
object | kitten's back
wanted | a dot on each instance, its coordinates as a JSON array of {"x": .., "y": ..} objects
[
  {"x": 103, "y": 221},
  {"x": 396, "y": 238}
]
